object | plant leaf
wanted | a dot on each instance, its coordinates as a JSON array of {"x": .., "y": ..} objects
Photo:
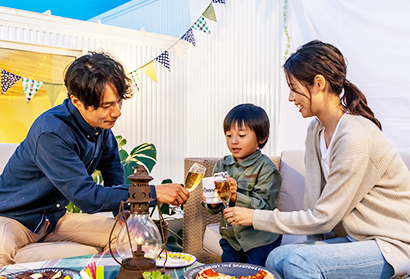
[
  {"x": 147, "y": 149},
  {"x": 97, "y": 177},
  {"x": 128, "y": 170},
  {"x": 156, "y": 274},
  {"x": 147, "y": 275},
  {"x": 123, "y": 156},
  {"x": 72, "y": 208},
  {"x": 148, "y": 163},
  {"x": 121, "y": 141}
]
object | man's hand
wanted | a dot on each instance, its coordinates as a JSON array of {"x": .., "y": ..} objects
[
  {"x": 122, "y": 216},
  {"x": 172, "y": 193}
]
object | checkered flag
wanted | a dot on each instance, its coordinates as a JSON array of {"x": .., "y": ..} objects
[
  {"x": 135, "y": 77},
  {"x": 7, "y": 80},
  {"x": 189, "y": 37},
  {"x": 30, "y": 88},
  {"x": 164, "y": 60},
  {"x": 200, "y": 24},
  {"x": 218, "y": 1}
]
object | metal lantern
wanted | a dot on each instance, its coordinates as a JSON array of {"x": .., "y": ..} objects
[{"x": 139, "y": 240}]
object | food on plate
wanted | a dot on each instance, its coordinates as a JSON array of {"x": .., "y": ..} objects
[
  {"x": 49, "y": 274},
  {"x": 209, "y": 273}
]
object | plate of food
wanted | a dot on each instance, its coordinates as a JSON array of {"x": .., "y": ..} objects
[
  {"x": 175, "y": 259},
  {"x": 230, "y": 270},
  {"x": 44, "y": 273}
]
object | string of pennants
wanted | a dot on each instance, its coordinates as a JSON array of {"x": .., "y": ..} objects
[
  {"x": 176, "y": 48},
  {"x": 30, "y": 86}
]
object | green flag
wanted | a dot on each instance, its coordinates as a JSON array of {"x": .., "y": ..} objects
[
  {"x": 210, "y": 13},
  {"x": 53, "y": 90}
]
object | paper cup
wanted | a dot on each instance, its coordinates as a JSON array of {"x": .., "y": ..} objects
[{"x": 209, "y": 190}]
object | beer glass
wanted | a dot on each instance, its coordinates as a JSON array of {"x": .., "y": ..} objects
[
  {"x": 192, "y": 179},
  {"x": 223, "y": 188}
]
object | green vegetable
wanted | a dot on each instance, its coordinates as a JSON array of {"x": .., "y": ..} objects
[{"x": 155, "y": 275}]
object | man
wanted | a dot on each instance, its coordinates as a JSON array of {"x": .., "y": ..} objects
[{"x": 53, "y": 165}]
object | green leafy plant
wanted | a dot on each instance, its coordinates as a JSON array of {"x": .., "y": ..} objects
[
  {"x": 144, "y": 154},
  {"x": 155, "y": 275}
]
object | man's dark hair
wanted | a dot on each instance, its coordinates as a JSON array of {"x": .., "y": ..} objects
[
  {"x": 86, "y": 78},
  {"x": 251, "y": 116}
]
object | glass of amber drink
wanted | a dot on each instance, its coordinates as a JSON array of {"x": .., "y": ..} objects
[
  {"x": 192, "y": 180},
  {"x": 223, "y": 189}
]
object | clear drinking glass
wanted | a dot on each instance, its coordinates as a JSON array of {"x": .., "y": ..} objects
[
  {"x": 193, "y": 178},
  {"x": 223, "y": 188}
]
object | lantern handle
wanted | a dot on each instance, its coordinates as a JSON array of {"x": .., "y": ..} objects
[{"x": 112, "y": 230}]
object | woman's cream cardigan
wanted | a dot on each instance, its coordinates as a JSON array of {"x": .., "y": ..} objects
[{"x": 368, "y": 189}]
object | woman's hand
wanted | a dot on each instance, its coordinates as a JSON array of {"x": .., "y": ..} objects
[
  {"x": 234, "y": 188},
  {"x": 239, "y": 215}
]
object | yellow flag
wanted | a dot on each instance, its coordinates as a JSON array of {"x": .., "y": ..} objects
[
  {"x": 210, "y": 12},
  {"x": 52, "y": 90},
  {"x": 149, "y": 70}
]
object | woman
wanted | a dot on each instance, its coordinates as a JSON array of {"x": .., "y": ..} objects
[{"x": 353, "y": 175}]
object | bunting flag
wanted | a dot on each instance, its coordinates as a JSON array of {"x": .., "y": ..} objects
[
  {"x": 164, "y": 60},
  {"x": 7, "y": 80},
  {"x": 178, "y": 50},
  {"x": 30, "y": 88},
  {"x": 200, "y": 24},
  {"x": 52, "y": 90},
  {"x": 189, "y": 36},
  {"x": 149, "y": 70},
  {"x": 210, "y": 13},
  {"x": 135, "y": 77}
]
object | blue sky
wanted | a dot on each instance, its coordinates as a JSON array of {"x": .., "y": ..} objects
[{"x": 76, "y": 9}]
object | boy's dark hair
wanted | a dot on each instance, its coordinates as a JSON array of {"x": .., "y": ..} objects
[
  {"x": 251, "y": 116},
  {"x": 88, "y": 75}
]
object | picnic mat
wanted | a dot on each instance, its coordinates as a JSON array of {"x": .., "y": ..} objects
[{"x": 111, "y": 267}]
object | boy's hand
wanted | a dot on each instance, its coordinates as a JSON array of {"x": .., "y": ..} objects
[
  {"x": 234, "y": 188},
  {"x": 213, "y": 205}
]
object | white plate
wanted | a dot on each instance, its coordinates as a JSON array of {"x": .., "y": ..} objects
[{"x": 175, "y": 259}]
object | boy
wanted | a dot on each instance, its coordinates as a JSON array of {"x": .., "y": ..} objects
[{"x": 255, "y": 183}]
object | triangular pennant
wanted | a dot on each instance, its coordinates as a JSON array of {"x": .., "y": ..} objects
[
  {"x": 189, "y": 36},
  {"x": 53, "y": 90},
  {"x": 178, "y": 49},
  {"x": 7, "y": 80},
  {"x": 218, "y": 1},
  {"x": 30, "y": 88},
  {"x": 164, "y": 60},
  {"x": 135, "y": 77},
  {"x": 210, "y": 13},
  {"x": 149, "y": 70},
  {"x": 200, "y": 24}
]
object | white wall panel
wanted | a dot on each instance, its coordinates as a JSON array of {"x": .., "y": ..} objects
[{"x": 239, "y": 62}]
